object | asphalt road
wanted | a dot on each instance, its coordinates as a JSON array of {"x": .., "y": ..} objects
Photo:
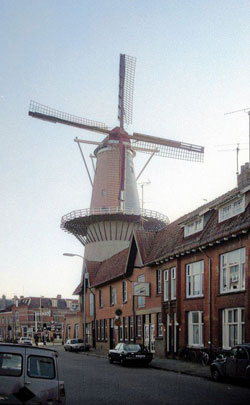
[{"x": 92, "y": 380}]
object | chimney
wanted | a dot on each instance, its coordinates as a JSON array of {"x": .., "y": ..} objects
[{"x": 244, "y": 176}]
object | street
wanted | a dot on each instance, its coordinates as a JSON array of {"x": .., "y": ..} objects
[{"x": 92, "y": 380}]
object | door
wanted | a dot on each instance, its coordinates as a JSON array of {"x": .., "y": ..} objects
[
  {"x": 111, "y": 334},
  {"x": 12, "y": 363},
  {"x": 152, "y": 338},
  {"x": 40, "y": 378},
  {"x": 146, "y": 336}
]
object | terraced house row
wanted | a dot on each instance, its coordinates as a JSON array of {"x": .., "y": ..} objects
[{"x": 185, "y": 285}]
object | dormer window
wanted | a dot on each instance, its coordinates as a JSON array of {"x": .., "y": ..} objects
[
  {"x": 194, "y": 226},
  {"x": 231, "y": 209}
]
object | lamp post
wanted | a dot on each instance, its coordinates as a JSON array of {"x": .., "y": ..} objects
[{"x": 85, "y": 275}]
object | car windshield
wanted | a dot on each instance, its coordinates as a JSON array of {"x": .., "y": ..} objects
[
  {"x": 79, "y": 340},
  {"x": 132, "y": 348}
]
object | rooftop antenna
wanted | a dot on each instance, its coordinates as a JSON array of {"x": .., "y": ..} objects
[
  {"x": 246, "y": 110},
  {"x": 237, "y": 149}
]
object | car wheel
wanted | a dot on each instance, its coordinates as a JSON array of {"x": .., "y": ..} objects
[
  {"x": 215, "y": 375},
  {"x": 122, "y": 361},
  {"x": 111, "y": 360}
]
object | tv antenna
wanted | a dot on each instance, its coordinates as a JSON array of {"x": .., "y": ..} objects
[{"x": 246, "y": 110}]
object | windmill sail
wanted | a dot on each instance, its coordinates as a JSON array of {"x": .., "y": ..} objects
[
  {"x": 126, "y": 89},
  {"x": 43, "y": 112},
  {"x": 167, "y": 148}
]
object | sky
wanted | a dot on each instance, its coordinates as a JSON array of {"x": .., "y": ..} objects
[{"x": 192, "y": 67}]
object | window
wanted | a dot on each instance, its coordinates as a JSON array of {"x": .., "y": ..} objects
[
  {"x": 91, "y": 304},
  {"x": 124, "y": 291},
  {"x": 138, "y": 325},
  {"x": 102, "y": 329},
  {"x": 112, "y": 296},
  {"x": 231, "y": 209},
  {"x": 193, "y": 227},
  {"x": 41, "y": 367},
  {"x": 141, "y": 300},
  {"x": 173, "y": 283},
  {"x": 158, "y": 281},
  {"x": 232, "y": 271},
  {"x": 120, "y": 332},
  {"x": 11, "y": 364},
  {"x": 195, "y": 328},
  {"x": 100, "y": 299},
  {"x": 233, "y": 327},
  {"x": 165, "y": 285},
  {"x": 76, "y": 330},
  {"x": 159, "y": 325},
  {"x": 195, "y": 279}
]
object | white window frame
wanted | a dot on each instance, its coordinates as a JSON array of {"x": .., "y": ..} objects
[
  {"x": 173, "y": 283},
  {"x": 195, "y": 329},
  {"x": 231, "y": 209},
  {"x": 124, "y": 292},
  {"x": 230, "y": 279},
  {"x": 194, "y": 226},
  {"x": 159, "y": 324},
  {"x": 141, "y": 301},
  {"x": 165, "y": 277},
  {"x": 191, "y": 279},
  {"x": 233, "y": 327},
  {"x": 113, "y": 299},
  {"x": 91, "y": 304},
  {"x": 158, "y": 282}
]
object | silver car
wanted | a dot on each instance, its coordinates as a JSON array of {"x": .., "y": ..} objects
[
  {"x": 76, "y": 345},
  {"x": 29, "y": 375}
]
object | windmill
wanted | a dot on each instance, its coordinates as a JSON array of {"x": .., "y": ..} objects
[{"x": 107, "y": 226}]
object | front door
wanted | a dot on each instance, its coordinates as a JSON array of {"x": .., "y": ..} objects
[{"x": 111, "y": 333}]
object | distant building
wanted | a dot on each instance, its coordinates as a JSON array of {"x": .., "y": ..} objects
[
  {"x": 5, "y": 302},
  {"x": 30, "y": 315}
]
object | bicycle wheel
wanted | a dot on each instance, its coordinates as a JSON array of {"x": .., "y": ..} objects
[{"x": 204, "y": 358}]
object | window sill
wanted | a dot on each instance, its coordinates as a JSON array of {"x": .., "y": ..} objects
[
  {"x": 195, "y": 297},
  {"x": 231, "y": 292}
]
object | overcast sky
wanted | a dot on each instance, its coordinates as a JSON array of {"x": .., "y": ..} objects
[{"x": 192, "y": 66}]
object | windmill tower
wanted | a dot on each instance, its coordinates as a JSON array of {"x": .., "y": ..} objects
[{"x": 107, "y": 226}]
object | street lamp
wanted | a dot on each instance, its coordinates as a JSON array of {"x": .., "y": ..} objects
[{"x": 85, "y": 276}]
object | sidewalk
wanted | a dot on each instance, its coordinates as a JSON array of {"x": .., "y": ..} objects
[{"x": 177, "y": 366}]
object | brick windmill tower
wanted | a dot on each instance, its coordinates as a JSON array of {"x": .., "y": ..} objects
[{"x": 106, "y": 228}]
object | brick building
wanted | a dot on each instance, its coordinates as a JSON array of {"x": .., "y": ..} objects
[
  {"x": 199, "y": 277},
  {"x": 29, "y": 315}
]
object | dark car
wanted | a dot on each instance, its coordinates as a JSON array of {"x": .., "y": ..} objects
[
  {"x": 127, "y": 353},
  {"x": 235, "y": 365}
]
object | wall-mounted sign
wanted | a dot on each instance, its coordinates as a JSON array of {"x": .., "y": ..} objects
[{"x": 141, "y": 289}]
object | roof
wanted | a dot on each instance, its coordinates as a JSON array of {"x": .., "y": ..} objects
[{"x": 170, "y": 241}]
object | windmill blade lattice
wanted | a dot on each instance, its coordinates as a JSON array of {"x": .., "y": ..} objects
[
  {"x": 167, "y": 148},
  {"x": 43, "y": 112},
  {"x": 126, "y": 89}
]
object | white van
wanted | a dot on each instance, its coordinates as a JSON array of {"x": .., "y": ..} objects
[{"x": 29, "y": 375}]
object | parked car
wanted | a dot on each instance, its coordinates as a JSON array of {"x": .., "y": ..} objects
[
  {"x": 128, "y": 353},
  {"x": 76, "y": 345},
  {"x": 29, "y": 375},
  {"x": 25, "y": 341},
  {"x": 235, "y": 365}
]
